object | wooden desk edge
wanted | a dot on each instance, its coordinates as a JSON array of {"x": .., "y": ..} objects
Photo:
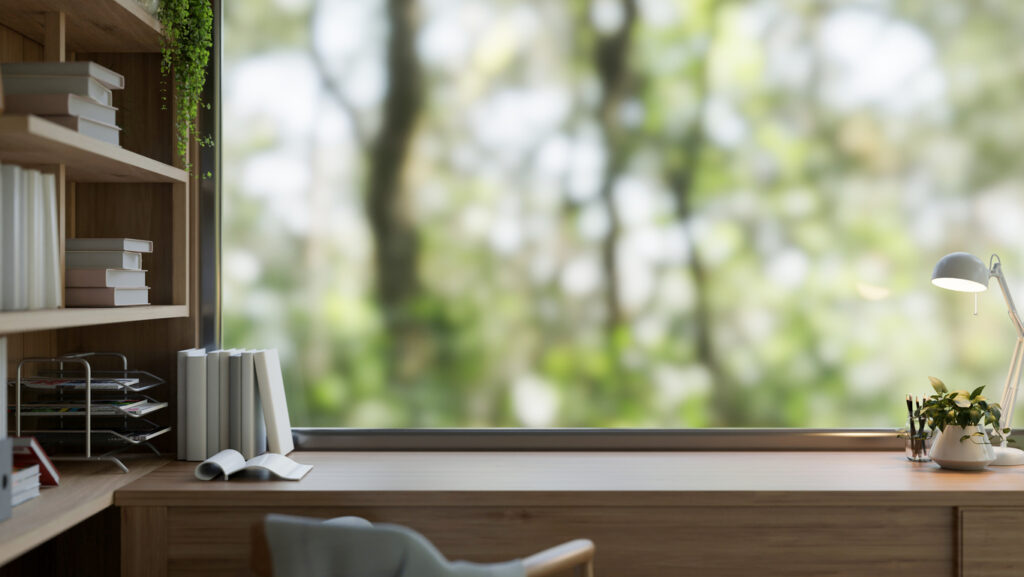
[
  {"x": 456, "y": 499},
  {"x": 55, "y": 511},
  {"x": 25, "y": 541},
  {"x": 583, "y": 479}
]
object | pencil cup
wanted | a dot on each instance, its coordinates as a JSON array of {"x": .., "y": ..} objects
[{"x": 917, "y": 446}]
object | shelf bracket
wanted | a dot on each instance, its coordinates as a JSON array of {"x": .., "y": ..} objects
[{"x": 55, "y": 39}]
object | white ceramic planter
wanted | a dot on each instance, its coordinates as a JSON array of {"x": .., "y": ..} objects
[{"x": 968, "y": 455}]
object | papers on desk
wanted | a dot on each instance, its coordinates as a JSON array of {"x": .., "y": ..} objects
[{"x": 229, "y": 461}]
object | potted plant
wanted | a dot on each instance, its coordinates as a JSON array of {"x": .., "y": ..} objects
[{"x": 959, "y": 420}]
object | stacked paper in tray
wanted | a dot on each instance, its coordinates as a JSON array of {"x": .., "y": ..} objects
[
  {"x": 106, "y": 272},
  {"x": 29, "y": 253},
  {"x": 74, "y": 94}
]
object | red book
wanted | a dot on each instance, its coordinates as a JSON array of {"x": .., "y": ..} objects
[{"x": 27, "y": 452}]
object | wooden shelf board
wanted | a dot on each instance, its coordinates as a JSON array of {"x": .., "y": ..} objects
[
  {"x": 34, "y": 141},
  {"x": 86, "y": 488},
  {"x": 26, "y": 321},
  {"x": 93, "y": 25}
]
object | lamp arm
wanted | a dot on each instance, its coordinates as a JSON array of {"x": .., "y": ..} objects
[
  {"x": 1009, "y": 397},
  {"x": 1011, "y": 309}
]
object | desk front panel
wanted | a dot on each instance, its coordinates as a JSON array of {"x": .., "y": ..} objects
[
  {"x": 631, "y": 541},
  {"x": 785, "y": 514}
]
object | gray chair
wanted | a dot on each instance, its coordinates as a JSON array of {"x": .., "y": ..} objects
[{"x": 286, "y": 546}]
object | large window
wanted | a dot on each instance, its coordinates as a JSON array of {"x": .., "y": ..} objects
[{"x": 619, "y": 213}]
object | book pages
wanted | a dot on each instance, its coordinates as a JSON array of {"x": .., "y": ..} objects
[
  {"x": 50, "y": 264},
  {"x": 228, "y": 462}
]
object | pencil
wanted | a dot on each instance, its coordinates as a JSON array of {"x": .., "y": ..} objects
[{"x": 910, "y": 410}]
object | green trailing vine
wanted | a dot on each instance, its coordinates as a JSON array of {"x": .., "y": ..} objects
[{"x": 186, "y": 44}]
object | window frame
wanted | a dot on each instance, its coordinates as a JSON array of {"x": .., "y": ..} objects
[
  {"x": 475, "y": 439},
  {"x": 209, "y": 193},
  {"x": 594, "y": 439}
]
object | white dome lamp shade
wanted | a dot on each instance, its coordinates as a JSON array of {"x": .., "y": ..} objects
[
  {"x": 964, "y": 272},
  {"x": 961, "y": 272}
]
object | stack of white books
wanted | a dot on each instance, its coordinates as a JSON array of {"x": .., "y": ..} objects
[
  {"x": 231, "y": 399},
  {"x": 74, "y": 94},
  {"x": 29, "y": 250},
  {"x": 106, "y": 272},
  {"x": 24, "y": 484}
]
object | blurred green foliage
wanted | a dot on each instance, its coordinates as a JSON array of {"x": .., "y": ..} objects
[{"x": 790, "y": 172}]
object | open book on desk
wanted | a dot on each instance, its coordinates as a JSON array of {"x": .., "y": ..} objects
[{"x": 229, "y": 461}]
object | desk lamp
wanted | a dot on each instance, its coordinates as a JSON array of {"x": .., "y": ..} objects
[{"x": 964, "y": 272}]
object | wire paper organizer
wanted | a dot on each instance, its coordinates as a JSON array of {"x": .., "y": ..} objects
[{"x": 66, "y": 404}]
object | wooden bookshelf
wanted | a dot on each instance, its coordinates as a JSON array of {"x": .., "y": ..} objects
[
  {"x": 31, "y": 140},
  {"x": 135, "y": 190},
  {"x": 94, "y": 25},
  {"x": 28, "y": 321}
]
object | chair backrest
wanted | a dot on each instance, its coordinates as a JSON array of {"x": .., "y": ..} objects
[{"x": 352, "y": 547}]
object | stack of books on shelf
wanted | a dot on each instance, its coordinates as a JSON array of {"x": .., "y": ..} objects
[
  {"x": 25, "y": 484},
  {"x": 106, "y": 272},
  {"x": 28, "y": 452},
  {"x": 29, "y": 253},
  {"x": 32, "y": 468},
  {"x": 74, "y": 94},
  {"x": 231, "y": 399}
]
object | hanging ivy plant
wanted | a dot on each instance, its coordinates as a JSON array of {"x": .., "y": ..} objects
[{"x": 186, "y": 44}]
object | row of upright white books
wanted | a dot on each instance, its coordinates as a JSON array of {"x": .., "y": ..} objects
[
  {"x": 77, "y": 95},
  {"x": 227, "y": 399},
  {"x": 106, "y": 272},
  {"x": 29, "y": 251}
]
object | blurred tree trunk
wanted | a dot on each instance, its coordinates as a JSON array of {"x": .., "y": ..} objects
[
  {"x": 682, "y": 179},
  {"x": 387, "y": 202},
  {"x": 611, "y": 58}
]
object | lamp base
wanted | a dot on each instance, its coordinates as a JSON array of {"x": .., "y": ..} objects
[{"x": 1008, "y": 457}]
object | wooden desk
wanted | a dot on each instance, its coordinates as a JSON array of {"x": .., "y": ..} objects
[
  {"x": 664, "y": 514},
  {"x": 86, "y": 488}
]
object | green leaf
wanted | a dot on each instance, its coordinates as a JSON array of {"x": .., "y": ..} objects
[
  {"x": 977, "y": 391},
  {"x": 938, "y": 385},
  {"x": 974, "y": 415}
]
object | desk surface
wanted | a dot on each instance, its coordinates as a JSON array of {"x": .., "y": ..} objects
[
  {"x": 567, "y": 479},
  {"x": 86, "y": 488}
]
